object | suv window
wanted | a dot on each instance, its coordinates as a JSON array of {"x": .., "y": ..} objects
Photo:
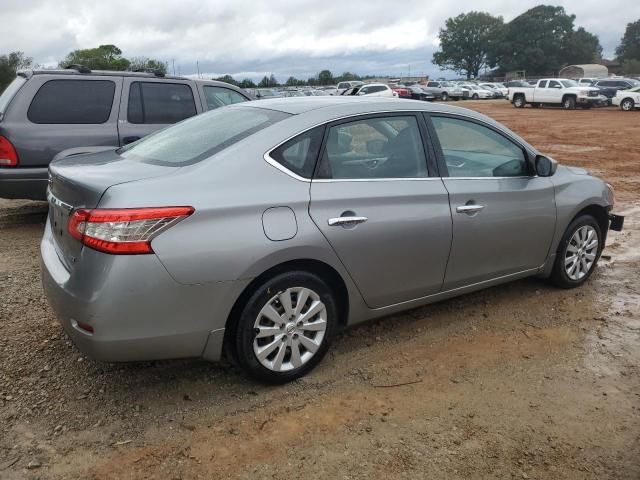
[
  {"x": 381, "y": 147},
  {"x": 554, "y": 84},
  {"x": 605, "y": 83},
  {"x": 433, "y": 84},
  {"x": 160, "y": 102},
  {"x": 221, "y": 96},
  {"x": 9, "y": 93},
  {"x": 473, "y": 150},
  {"x": 72, "y": 102},
  {"x": 300, "y": 153},
  {"x": 542, "y": 84},
  {"x": 201, "y": 137}
]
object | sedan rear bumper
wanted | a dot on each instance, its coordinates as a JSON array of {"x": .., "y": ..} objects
[
  {"x": 136, "y": 310},
  {"x": 24, "y": 183}
]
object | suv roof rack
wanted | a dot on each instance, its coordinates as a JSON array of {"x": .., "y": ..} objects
[
  {"x": 155, "y": 72},
  {"x": 78, "y": 68}
]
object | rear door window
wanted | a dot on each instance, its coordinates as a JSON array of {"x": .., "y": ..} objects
[
  {"x": 300, "y": 153},
  {"x": 10, "y": 92},
  {"x": 160, "y": 102},
  {"x": 72, "y": 102}
]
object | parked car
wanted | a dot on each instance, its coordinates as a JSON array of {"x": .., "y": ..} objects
[
  {"x": 292, "y": 93},
  {"x": 242, "y": 230},
  {"x": 402, "y": 92},
  {"x": 376, "y": 90},
  {"x": 443, "y": 90},
  {"x": 478, "y": 92},
  {"x": 588, "y": 82},
  {"x": 518, "y": 84},
  {"x": 343, "y": 86},
  {"x": 265, "y": 93},
  {"x": 627, "y": 100},
  {"x": 556, "y": 91},
  {"x": 497, "y": 90},
  {"x": 45, "y": 112},
  {"x": 419, "y": 93},
  {"x": 610, "y": 87}
]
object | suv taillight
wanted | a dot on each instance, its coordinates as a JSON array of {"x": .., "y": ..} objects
[
  {"x": 8, "y": 155},
  {"x": 123, "y": 231}
]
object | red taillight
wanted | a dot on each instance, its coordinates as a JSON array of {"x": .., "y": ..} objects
[
  {"x": 124, "y": 231},
  {"x": 8, "y": 155}
]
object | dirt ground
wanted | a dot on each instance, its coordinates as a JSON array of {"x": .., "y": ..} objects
[{"x": 519, "y": 381}]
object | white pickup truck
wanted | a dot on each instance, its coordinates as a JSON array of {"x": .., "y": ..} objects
[{"x": 556, "y": 91}]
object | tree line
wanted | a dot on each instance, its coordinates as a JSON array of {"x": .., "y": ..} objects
[
  {"x": 325, "y": 77},
  {"x": 540, "y": 41}
]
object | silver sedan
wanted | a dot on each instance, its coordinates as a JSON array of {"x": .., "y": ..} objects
[{"x": 258, "y": 230}]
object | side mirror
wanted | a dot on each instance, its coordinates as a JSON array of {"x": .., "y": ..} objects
[{"x": 545, "y": 166}]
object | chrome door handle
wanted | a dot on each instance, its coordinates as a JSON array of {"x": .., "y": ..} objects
[
  {"x": 346, "y": 221},
  {"x": 469, "y": 208}
]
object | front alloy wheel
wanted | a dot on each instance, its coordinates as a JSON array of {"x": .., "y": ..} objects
[
  {"x": 581, "y": 253},
  {"x": 627, "y": 105},
  {"x": 578, "y": 252}
]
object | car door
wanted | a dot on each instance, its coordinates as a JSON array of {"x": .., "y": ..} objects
[
  {"x": 149, "y": 104},
  {"x": 503, "y": 215},
  {"x": 383, "y": 211}
]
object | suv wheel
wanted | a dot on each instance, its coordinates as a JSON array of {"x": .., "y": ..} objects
[
  {"x": 627, "y": 104},
  {"x": 519, "y": 102},
  {"x": 286, "y": 327},
  {"x": 578, "y": 253},
  {"x": 569, "y": 103},
  {"x": 444, "y": 96},
  {"x": 475, "y": 96}
]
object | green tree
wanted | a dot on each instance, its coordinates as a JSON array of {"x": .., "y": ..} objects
[
  {"x": 104, "y": 57},
  {"x": 630, "y": 67},
  {"x": 142, "y": 64},
  {"x": 325, "y": 77},
  {"x": 293, "y": 82},
  {"x": 247, "y": 83},
  {"x": 10, "y": 64},
  {"x": 227, "y": 79},
  {"x": 467, "y": 43},
  {"x": 542, "y": 40},
  {"x": 581, "y": 47},
  {"x": 268, "y": 82},
  {"x": 629, "y": 48},
  {"x": 346, "y": 77}
]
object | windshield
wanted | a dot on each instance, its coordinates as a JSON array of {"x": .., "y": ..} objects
[
  {"x": 201, "y": 136},
  {"x": 9, "y": 92},
  {"x": 569, "y": 83}
]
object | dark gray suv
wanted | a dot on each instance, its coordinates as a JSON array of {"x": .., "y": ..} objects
[{"x": 49, "y": 113}]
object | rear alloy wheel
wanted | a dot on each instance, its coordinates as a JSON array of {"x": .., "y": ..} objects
[
  {"x": 519, "y": 102},
  {"x": 444, "y": 96},
  {"x": 627, "y": 104},
  {"x": 578, "y": 252},
  {"x": 285, "y": 327},
  {"x": 569, "y": 103}
]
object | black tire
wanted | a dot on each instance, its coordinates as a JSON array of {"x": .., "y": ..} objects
[
  {"x": 475, "y": 97},
  {"x": 519, "y": 101},
  {"x": 569, "y": 103},
  {"x": 444, "y": 96},
  {"x": 244, "y": 333},
  {"x": 627, "y": 105},
  {"x": 559, "y": 276}
]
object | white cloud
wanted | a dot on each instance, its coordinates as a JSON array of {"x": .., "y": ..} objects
[{"x": 289, "y": 37}]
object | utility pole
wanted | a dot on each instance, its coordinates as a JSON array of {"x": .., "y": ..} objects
[
  {"x": 198, "y": 68},
  {"x": 173, "y": 62}
]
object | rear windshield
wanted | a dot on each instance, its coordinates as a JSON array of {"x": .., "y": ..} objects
[
  {"x": 201, "y": 136},
  {"x": 9, "y": 92}
]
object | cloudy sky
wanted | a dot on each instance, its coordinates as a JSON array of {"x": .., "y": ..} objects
[{"x": 285, "y": 37}]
